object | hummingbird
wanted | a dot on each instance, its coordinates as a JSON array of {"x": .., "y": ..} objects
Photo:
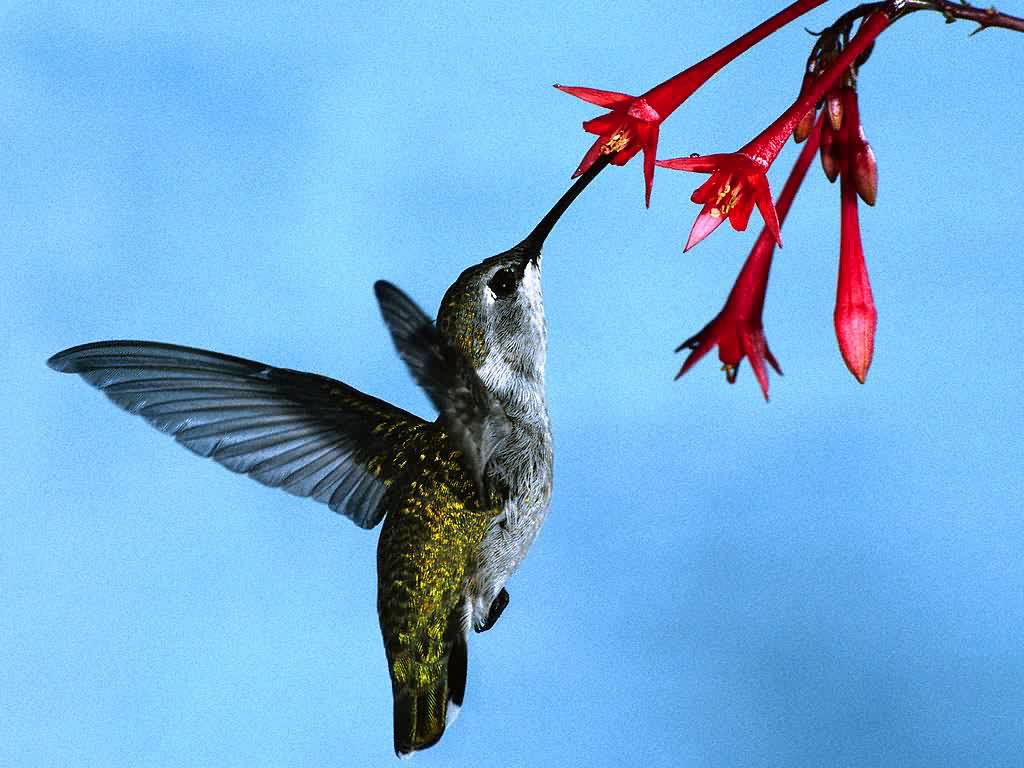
[{"x": 461, "y": 497}]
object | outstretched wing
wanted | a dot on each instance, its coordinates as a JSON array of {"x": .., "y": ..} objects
[
  {"x": 473, "y": 415},
  {"x": 308, "y": 434}
]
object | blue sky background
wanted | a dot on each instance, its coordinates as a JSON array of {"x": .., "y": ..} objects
[{"x": 834, "y": 579}]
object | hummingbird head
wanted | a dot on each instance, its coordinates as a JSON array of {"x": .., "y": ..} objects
[{"x": 494, "y": 314}]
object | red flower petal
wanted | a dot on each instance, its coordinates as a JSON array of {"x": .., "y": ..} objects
[
  {"x": 650, "y": 150},
  {"x": 705, "y": 193},
  {"x": 700, "y": 346},
  {"x": 700, "y": 164},
  {"x": 754, "y": 347},
  {"x": 763, "y": 199},
  {"x": 591, "y": 157},
  {"x": 623, "y": 156},
  {"x": 604, "y": 123},
  {"x": 706, "y": 223},
  {"x": 607, "y": 99},
  {"x": 740, "y": 215}
]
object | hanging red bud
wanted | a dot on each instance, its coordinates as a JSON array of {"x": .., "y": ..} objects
[
  {"x": 829, "y": 152},
  {"x": 865, "y": 174},
  {"x": 865, "y": 169},
  {"x": 855, "y": 316},
  {"x": 803, "y": 128}
]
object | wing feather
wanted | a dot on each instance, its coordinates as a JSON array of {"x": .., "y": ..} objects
[
  {"x": 470, "y": 411},
  {"x": 307, "y": 434}
]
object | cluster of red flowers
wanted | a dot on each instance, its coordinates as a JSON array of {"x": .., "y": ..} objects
[{"x": 738, "y": 182}]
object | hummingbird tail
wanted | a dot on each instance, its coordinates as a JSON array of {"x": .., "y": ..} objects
[{"x": 422, "y": 711}]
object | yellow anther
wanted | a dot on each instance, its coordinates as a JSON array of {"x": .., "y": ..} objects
[
  {"x": 617, "y": 142},
  {"x": 731, "y": 203},
  {"x": 715, "y": 213}
]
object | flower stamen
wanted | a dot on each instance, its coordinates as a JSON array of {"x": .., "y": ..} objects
[{"x": 616, "y": 142}]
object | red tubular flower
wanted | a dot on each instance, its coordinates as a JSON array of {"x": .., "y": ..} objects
[
  {"x": 738, "y": 330},
  {"x": 630, "y": 127},
  {"x": 738, "y": 180},
  {"x": 855, "y": 316},
  {"x": 634, "y": 121},
  {"x": 737, "y": 184}
]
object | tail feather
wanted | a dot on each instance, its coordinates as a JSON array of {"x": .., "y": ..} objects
[
  {"x": 419, "y": 718},
  {"x": 458, "y": 666},
  {"x": 423, "y": 710}
]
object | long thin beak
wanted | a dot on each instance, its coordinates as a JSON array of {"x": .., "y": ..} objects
[{"x": 534, "y": 241}]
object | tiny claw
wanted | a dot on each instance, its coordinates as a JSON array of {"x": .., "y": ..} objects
[{"x": 494, "y": 612}]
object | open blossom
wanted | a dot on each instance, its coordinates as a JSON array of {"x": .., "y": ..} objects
[
  {"x": 633, "y": 123},
  {"x": 738, "y": 330},
  {"x": 738, "y": 179},
  {"x": 737, "y": 184},
  {"x": 630, "y": 127}
]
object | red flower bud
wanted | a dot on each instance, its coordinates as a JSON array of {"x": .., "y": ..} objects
[
  {"x": 855, "y": 316},
  {"x": 803, "y": 128},
  {"x": 829, "y": 152},
  {"x": 864, "y": 169}
]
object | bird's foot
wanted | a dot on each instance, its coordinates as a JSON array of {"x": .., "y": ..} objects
[{"x": 497, "y": 606}]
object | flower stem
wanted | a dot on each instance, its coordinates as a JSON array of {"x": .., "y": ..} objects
[{"x": 951, "y": 11}]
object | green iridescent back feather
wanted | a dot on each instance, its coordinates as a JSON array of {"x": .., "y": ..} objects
[{"x": 428, "y": 545}]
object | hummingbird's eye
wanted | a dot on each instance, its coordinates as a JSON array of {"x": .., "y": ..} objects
[{"x": 503, "y": 282}]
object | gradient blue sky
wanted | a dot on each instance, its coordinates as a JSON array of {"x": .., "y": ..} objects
[{"x": 834, "y": 579}]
